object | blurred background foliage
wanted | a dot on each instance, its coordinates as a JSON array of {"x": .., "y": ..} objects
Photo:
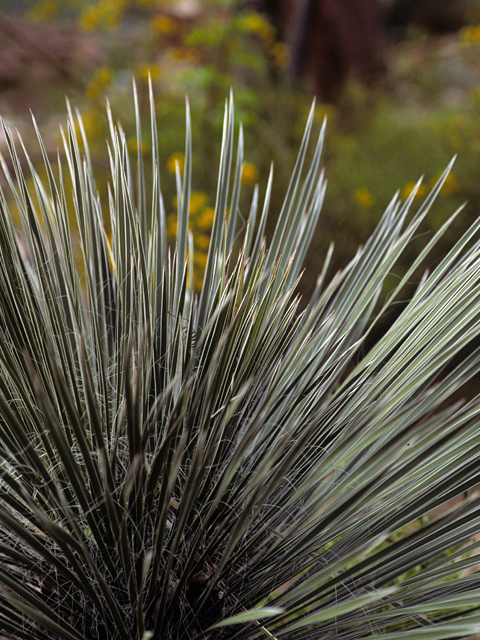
[{"x": 398, "y": 80}]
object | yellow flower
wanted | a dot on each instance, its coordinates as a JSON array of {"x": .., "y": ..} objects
[
  {"x": 172, "y": 225},
  {"x": 200, "y": 260},
  {"x": 102, "y": 78},
  {"x": 91, "y": 119},
  {"x": 105, "y": 14},
  {"x": 133, "y": 146},
  {"x": 449, "y": 187},
  {"x": 188, "y": 55},
  {"x": 408, "y": 189},
  {"x": 165, "y": 24},
  {"x": 255, "y": 23},
  {"x": 89, "y": 19},
  {"x": 364, "y": 197},
  {"x": 173, "y": 160},
  {"x": 201, "y": 241},
  {"x": 470, "y": 35},
  {"x": 249, "y": 173},
  {"x": 197, "y": 282},
  {"x": 205, "y": 219},
  {"x": 280, "y": 55},
  {"x": 112, "y": 21},
  {"x": 144, "y": 70},
  {"x": 198, "y": 200},
  {"x": 44, "y": 10}
]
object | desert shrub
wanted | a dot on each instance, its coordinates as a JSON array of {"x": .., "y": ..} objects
[{"x": 222, "y": 464}]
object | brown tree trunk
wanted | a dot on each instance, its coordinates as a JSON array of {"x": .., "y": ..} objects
[{"x": 332, "y": 40}]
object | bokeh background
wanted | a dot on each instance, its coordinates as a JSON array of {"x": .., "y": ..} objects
[{"x": 399, "y": 82}]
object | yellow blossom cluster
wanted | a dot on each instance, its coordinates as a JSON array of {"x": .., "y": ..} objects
[
  {"x": 279, "y": 56},
  {"x": 470, "y": 35},
  {"x": 410, "y": 187},
  {"x": 201, "y": 217},
  {"x": 364, "y": 198},
  {"x": 165, "y": 25},
  {"x": 91, "y": 121},
  {"x": 105, "y": 14},
  {"x": 133, "y": 145},
  {"x": 257, "y": 24},
  {"x": 278, "y": 52},
  {"x": 145, "y": 71},
  {"x": 449, "y": 187},
  {"x": 44, "y": 10},
  {"x": 249, "y": 173},
  {"x": 101, "y": 80},
  {"x": 175, "y": 159}
]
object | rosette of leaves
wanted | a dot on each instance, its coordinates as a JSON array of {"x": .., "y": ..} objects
[{"x": 227, "y": 465}]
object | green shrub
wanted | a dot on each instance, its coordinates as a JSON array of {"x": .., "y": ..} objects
[{"x": 219, "y": 465}]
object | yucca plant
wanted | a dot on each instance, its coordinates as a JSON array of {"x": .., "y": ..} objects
[{"x": 227, "y": 465}]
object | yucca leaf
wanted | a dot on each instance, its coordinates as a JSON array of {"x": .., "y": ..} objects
[
  {"x": 168, "y": 461},
  {"x": 249, "y": 616}
]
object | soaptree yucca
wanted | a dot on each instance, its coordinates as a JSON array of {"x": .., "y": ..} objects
[{"x": 225, "y": 464}]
